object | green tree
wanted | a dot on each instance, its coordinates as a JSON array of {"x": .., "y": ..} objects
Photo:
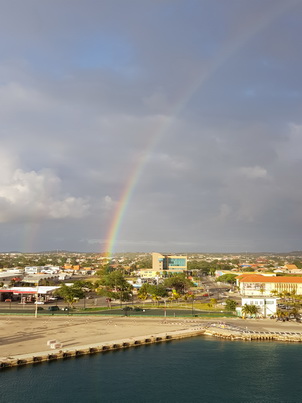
[
  {"x": 179, "y": 282},
  {"x": 142, "y": 296},
  {"x": 227, "y": 278},
  {"x": 213, "y": 301},
  {"x": 84, "y": 285},
  {"x": 144, "y": 263},
  {"x": 69, "y": 293},
  {"x": 153, "y": 289},
  {"x": 114, "y": 285},
  {"x": 230, "y": 305}
]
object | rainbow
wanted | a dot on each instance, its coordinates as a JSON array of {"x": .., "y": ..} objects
[{"x": 232, "y": 46}]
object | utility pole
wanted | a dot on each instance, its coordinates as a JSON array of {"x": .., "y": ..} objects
[{"x": 36, "y": 308}]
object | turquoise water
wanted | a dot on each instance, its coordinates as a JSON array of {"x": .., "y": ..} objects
[{"x": 193, "y": 370}]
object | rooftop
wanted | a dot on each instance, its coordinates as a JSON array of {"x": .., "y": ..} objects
[{"x": 258, "y": 278}]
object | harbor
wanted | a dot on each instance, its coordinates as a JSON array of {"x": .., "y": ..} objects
[{"x": 56, "y": 338}]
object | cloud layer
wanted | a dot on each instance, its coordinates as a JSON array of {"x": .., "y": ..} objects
[{"x": 198, "y": 102}]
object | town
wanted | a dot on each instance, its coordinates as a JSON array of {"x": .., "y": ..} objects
[{"x": 220, "y": 285}]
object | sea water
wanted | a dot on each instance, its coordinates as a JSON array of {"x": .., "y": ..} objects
[{"x": 199, "y": 369}]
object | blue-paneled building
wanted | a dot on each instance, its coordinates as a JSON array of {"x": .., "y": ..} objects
[{"x": 170, "y": 263}]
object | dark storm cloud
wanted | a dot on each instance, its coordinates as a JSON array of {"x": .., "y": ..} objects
[{"x": 86, "y": 86}]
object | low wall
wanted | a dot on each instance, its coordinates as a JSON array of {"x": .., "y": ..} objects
[{"x": 250, "y": 335}]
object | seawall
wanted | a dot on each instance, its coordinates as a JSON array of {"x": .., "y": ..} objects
[
  {"x": 230, "y": 332},
  {"x": 61, "y": 353}
]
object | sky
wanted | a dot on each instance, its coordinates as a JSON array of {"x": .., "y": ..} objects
[{"x": 151, "y": 125}]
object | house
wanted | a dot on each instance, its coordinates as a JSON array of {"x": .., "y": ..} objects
[{"x": 267, "y": 306}]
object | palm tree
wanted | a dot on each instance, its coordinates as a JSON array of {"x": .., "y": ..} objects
[
  {"x": 262, "y": 288},
  {"x": 250, "y": 310},
  {"x": 282, "y": 315},
  {"x": 293, "y": 295},
  {"x": 287, "y": 294},
  {"x": 245, "y": 310},
  {"x": 254, "y": 309},
  {"x": 142, "y": 296},
  {"x": 274, "y": 293},
  {"x": 175, "y": 296},
  {"x": 155, "y": 298}
]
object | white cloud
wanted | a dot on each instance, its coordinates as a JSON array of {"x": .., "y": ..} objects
[{"x": 26, "y": 195}]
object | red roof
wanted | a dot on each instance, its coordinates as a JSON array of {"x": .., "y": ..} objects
[
  {"x": 19, "y": 292},
  {"x": 258, "y": 278}
]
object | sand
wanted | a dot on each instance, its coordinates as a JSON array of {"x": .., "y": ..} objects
[{"x": 28, "y": 335}]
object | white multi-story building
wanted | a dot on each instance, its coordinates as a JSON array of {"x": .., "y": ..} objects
[{"x": 259, "y": 285}]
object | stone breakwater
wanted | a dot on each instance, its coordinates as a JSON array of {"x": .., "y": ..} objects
[
  {"x": 230, "y": 332},
  {"x": 61, "y": 353}
]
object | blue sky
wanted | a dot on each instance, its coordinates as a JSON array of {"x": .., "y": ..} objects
[{"x": 86, "y": 86}]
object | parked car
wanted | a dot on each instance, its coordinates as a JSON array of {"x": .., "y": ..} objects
[
  {"x": 8, "y": 300},
  {"x": 53, "y": 308}
]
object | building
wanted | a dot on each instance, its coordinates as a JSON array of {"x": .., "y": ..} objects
[
  {"x": 259, "y": 285},
  {"x": 266, "y": 306},
  {"x": 148, "y": 274},
  {"x": 42, "y": 294},
  {"x": 33, "y": 269},
  {"x": 169, "y": 263}
]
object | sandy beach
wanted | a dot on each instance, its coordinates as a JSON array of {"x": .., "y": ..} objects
[{"x": 28, "y": 335}]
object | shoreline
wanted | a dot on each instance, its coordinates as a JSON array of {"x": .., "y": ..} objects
[{"x": 27, "y": 340}]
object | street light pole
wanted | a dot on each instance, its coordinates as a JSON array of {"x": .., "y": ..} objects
[{"x": 36, "y": 308}]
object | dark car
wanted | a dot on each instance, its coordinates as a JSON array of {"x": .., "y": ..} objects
[{"x": 53, "y": 308}]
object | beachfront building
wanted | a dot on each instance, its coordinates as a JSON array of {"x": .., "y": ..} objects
[
  {"x": 259, "y": 285},
  {"x": 169, "y": 263},
  {"x": 267, "y": 306}
]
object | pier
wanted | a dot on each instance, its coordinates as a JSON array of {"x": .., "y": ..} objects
[{"x": 61, "y": 353}]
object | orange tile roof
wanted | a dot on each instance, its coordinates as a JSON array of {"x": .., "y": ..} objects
[
  {"x": 258, "y": 278},
  {"x": 291, "y": 266}
]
